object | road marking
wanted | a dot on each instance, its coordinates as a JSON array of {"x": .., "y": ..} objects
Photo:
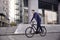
[{"x": 10, "y": 37}]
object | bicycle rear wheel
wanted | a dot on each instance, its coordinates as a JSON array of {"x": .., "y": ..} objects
[
  {"x": 44, "y": 32},
  {"x": 29, "y": 32}
]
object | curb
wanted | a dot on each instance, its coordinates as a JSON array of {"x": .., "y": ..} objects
[{"x": 10, "y": 34}]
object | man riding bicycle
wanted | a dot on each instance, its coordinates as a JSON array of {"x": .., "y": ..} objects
[{"x": 38, "y": 20}]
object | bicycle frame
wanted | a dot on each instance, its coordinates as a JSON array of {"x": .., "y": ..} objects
[
  {"x": 33, "y": 26},
  {"x": 33, "y": 30}
]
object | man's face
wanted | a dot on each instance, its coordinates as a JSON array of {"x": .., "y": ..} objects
[{"x": 33, "y": 12}]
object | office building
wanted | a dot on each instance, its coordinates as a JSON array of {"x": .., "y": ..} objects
[
  {"x": 49, "y": 10},
  {"x": 4, "y": 13}
]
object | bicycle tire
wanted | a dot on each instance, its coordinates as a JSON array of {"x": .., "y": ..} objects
[
  {"x": 29, "y": 35},
  {"x": 44, "y": 33}
]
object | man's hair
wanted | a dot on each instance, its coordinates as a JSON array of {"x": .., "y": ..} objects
[{"x": 33, "y": 10}]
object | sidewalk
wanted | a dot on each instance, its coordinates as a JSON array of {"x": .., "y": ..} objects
[
  {"x": 50, "y": 28},
  {"x": 20, "y": 29},
  {"x": 7, "y": 30}
]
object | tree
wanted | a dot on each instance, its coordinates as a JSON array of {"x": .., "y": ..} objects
[{"x": 13, "y": 24}]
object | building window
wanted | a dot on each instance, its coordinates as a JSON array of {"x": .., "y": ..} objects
[
  {"x": 3, "y": 18},
  {"x": 4, "y": 2},
  {"x": 55, "y": 7},
  {"x": 25, "y": 3},
  {"x": 25, "y": 16},
  {"x": 3, "y": 8},
  {"x": 45, "y": 4},
  {"x": 50, "y": 17}
]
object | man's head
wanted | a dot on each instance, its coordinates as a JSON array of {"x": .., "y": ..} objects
[{"x": 33, "y": 11}]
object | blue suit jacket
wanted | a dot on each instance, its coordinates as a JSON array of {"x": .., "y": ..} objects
[{"x": 37, "y": 17}]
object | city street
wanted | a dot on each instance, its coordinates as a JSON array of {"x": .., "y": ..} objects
[
  {"x": 49, "y": 36},
  {"x": 15, "y": 33},
  {"x": 16, "y": 15}
]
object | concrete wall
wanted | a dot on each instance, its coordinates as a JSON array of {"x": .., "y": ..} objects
[
  {"x": 1, "y": 6},
  {"x": 32, "y": 5},
  {"x": 4, "y": 7}
]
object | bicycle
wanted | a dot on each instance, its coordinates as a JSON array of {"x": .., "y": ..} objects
[{"x": 30, "y": 31}]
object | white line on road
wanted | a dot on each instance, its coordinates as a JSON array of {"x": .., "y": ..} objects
[{"x": 10, "y": 37}]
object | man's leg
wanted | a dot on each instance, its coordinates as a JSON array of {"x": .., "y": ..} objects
[{"x": 39, "y": 27}]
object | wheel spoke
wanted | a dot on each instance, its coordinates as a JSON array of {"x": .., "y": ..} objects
[
  {"x": 44, "y": 31},
  {"x": 29, "y": 32}
]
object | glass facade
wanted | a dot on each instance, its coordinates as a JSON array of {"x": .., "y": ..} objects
[
  {"x": 25, "y": 3},
  {"x": 49, "y": 11},
  {"x": 50, "y": 17},
  {"x": 46, "y": 8},
  {"x": 48, "y": 5}
]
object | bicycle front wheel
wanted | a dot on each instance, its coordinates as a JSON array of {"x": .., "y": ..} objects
[{"x": 29, "y": 32}]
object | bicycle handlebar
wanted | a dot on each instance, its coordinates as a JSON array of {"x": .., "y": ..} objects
[{"x": 32, "y": 23}]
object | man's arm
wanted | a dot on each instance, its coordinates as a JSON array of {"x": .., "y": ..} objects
[{"x": 33, "y": 17}]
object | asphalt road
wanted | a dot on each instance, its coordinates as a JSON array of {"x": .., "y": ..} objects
[{"x": 49, "y": 36}]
